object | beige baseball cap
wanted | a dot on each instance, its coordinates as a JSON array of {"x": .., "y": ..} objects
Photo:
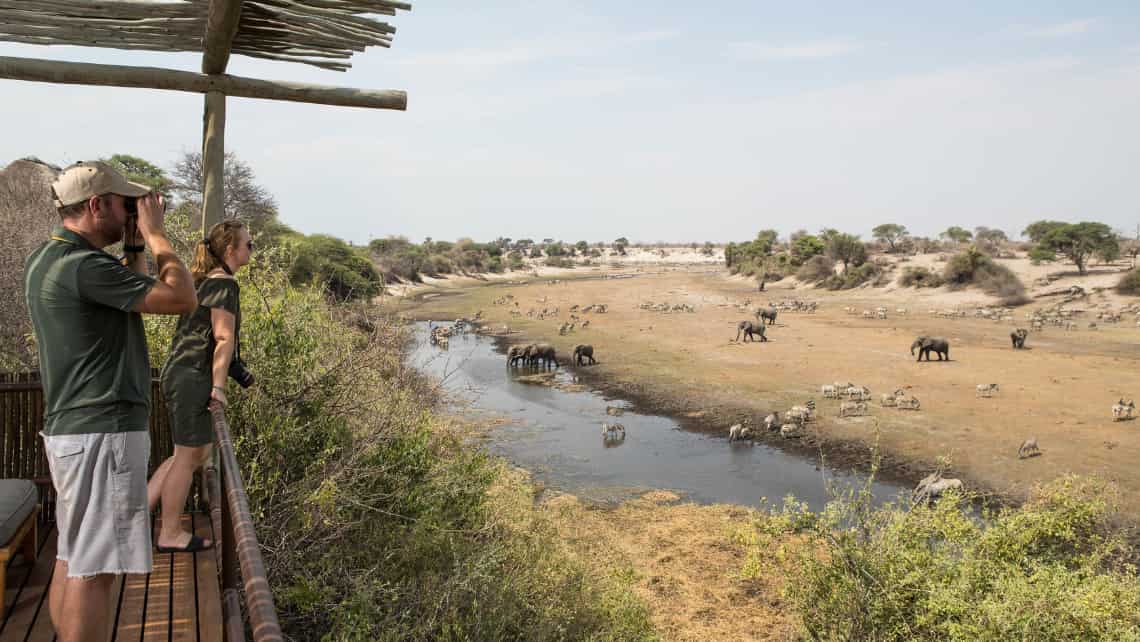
[{"x": 85, "y": 179}]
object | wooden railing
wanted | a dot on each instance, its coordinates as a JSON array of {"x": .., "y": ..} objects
[
  {"x": 239, "y": 556},
  {"x": 239, "y": 544}
]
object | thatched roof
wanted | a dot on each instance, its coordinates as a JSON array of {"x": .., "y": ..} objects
[{"x": 323, "y": 33}]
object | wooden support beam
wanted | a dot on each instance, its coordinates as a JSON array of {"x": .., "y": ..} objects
[
  {"x": 79, "y": 73},
  {"x": 221, "y": 27},
  {"x": 213, "y": 160}
]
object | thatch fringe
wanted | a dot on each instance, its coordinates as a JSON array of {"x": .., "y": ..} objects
[{"x": 322, "y": 33}]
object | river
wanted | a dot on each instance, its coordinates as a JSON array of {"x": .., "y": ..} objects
[{"x": 556, "y": 434}]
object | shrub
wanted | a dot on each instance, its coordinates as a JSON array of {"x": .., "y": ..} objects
[
  {"x": 1048, "y": 570},
  {"x": 1039, "y": 254},
  {"x": 920, "y": 277},
  {"x": 1129, "y": 283},
  {"x": 816, "y": 269},
  {"x": 854, "y": 276},
  {"x": 973, "y": 267},
  {"x": 341, "y": 270}
]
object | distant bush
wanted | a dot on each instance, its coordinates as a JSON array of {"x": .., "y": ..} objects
[
  {"x": 344, "y": 272},
  {"x": 816, "y": 269},
  {"x": 920, "y": 277},
  {"x": 398, "y": 258},
  {"x": 973, "y": 267},
  {"x": 1053, "y": 569},
  {"x": 1129, "y": 283},
  {"x": 1039, "y": 254},
  {"x": 854, "y": 276},
  {"x": 559, "y": 262}
]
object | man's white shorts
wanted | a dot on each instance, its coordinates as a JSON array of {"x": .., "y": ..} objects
[{"x": 101, "y": 510}]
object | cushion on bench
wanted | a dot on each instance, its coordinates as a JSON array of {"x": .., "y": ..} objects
[{"x": 18, "y": 498}]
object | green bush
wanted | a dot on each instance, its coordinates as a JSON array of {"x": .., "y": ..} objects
[
  {"x": 377, "y": 521},
  {"x": 1039, "y": 254},
  {"x": 855, "y": 276},
  {"x": 1052, "y": 569},
  {"x": 974, "y": 267},
  {"x": 816, "y": 269},
  {"x": 920, "y": 277},
  {"x": 1129, "y": 283},
  {"x": 343, "y": 272}
]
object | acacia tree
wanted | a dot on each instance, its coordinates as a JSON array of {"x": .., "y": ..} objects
[
  {"x": 1039, "y": 229},
  {"x": 141, "y": 171},
  {"x": 846, "y": 248},
  {"x": 242, "y": 197},
  {"x": 1078, "y": 241},
  {"x": 891, "y": 233},
  {"x": 957, "y": 234}
]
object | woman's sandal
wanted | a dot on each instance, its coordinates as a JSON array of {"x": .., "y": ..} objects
[{"x": 195, "y": 545}]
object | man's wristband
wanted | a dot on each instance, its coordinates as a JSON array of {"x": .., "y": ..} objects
[
  {"x": 222, "y": 388},
  {"x": 134, "y": 248}
]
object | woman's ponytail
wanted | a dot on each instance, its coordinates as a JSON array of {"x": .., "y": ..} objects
[{"x": 210, "y": 251}]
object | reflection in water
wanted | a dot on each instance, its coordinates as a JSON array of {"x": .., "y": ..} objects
[{"x": 556, "y": 425}]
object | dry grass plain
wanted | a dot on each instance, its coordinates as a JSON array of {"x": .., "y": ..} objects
[
  {"x": 1060, "y": 390},
  {"x": 682, "y": 555}
]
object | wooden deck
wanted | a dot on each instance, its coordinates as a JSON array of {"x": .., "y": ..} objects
[{"x": 179, "y": 600}]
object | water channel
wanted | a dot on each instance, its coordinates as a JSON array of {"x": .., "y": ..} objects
[{"x": 556, "y": 435}]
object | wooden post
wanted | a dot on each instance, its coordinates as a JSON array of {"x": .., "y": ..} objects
[{"x": 213, "y": 160}]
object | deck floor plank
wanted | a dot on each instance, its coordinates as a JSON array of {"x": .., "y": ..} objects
[
  {"x": 183, "y": 611},
  {"x": 209, "y": 595},
  {"x": 179, "y": 600},
  {"x": 29, "y": 612}
]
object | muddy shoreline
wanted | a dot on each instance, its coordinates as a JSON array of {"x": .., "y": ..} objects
[{"x": 844, "y": 455}]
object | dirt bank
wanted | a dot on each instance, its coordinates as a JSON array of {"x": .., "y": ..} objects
[{"x": 684, "y": 363}]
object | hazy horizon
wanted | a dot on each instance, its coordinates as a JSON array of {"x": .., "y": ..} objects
[{"x": 593, "y": 121}]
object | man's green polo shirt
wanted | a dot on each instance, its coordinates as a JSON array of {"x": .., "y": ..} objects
[{"x": 93, "y": 359}]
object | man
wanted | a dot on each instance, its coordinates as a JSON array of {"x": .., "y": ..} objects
[{"x": 85, "y": 307}]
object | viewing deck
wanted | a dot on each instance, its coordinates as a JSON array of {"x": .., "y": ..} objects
[{"x": 179, "y": 600}]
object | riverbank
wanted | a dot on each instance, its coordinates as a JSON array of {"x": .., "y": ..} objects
[{"x": 685, "y": 364}]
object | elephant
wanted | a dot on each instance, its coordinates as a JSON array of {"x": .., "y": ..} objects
[
  {"x": 582, "y": 352},
  {"x": 926, "y": 345},
  {"x": 749, "y": 329},
  {"x": 517, "y": 354},
  {"x": 542, "y": 352},
  {"x": 1018, "y": 337},
  {"x": 767, "y": 314}
]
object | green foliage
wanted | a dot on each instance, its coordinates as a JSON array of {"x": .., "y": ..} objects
[
  {"x": 854, "y": 276},
  {"x": 890, "y": 233},
  {"x": 974, "y": 267},
  {"x": 957, "y": 234},
  {"x": 846, "y": 248},
  {"x": 807, "y": 246},
  {"x": 752, "y": 252},
  {"x": 816, "y": 269},
  {"x": 920, "y": 277},
  {"x": 141, "y": 171},
  {"x": 397, "y": 257},
  {"x": 1038, "y": 230},
  {"x": 342, "y": 272},
  {"x": 1078, "y": 241},
  {"x": 1129, "y": 283},
  {"x": 1051, "y": 569},
  {"x": 1039, "y": 254}
]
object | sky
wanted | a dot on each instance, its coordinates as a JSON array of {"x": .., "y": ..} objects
[{"x": 665, "y": 121}]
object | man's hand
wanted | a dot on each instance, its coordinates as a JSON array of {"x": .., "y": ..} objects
[{"x": 152, "y": 215}]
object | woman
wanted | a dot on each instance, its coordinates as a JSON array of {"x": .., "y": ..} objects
[{"x": 194, "y": 376}]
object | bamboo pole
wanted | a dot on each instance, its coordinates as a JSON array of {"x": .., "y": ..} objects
[
  {"x": 221, "y": 27},
  {"x": 76, "y": 73},
  {"x": 213, "y": 160}
]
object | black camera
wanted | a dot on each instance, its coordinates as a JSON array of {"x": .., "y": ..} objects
[
  {"x": 131, "y": 203},
  {"x": 239, "y": 373}
]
